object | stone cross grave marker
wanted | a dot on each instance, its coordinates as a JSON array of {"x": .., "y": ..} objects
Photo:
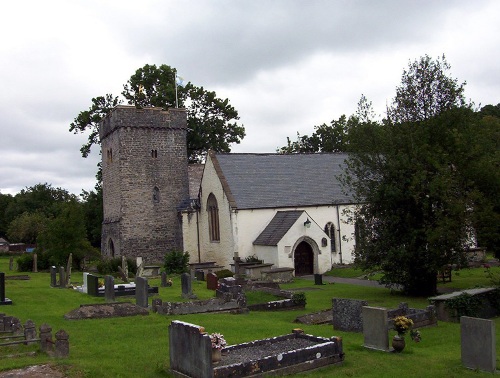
[
  {"x": 375, "y": 328},
  {"x": 35, "y": 263},
  {"x": 478, "y": 344},
  {"x": 68, "y": 269}
]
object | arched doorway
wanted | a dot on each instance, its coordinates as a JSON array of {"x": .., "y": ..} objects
[{"x": 304, "y": 259}]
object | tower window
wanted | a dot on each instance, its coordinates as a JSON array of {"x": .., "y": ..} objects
[
  {"x": 154, "y": 154},
  {"x": 156, "y": 194}
]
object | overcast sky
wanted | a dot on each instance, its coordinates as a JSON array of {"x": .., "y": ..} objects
[{"x": 286, "y": 66}]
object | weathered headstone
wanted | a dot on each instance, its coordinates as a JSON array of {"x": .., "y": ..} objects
[
  {"x": 109, "y": 288},
  {"x": 68, "y": 269},
  {"x": 85, "y": 285},
  {"x": 53, "y": 276},
  {"x": 92, "y": 285},
  {"x": 375, "y": 331},
  {"x": 163, "y": 279},
  {"x": 140, "y": 267},
  {"x": 478, "y": 343},
  {"x": 200, "y": 275},
  {"x": 62, "y": 277},
  {"x": 35, "y": 263},
  {"x": 347, "y": 314},
  {"x": 186, "y": 285},
  {"x": 141, "y": 292},
  {"x": 3, "y": 299},
  {"x": 212, "y": 281},
  {"x": 62, "y": 344},
  {"x": 46, "y": 343},
  {"x": 318, "y": 279},
  {"x": 29, "y": 331},
  {"x": 125, "y": 267}
]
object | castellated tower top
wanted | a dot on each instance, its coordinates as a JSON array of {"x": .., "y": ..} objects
[{"x": 131, "y": 116}]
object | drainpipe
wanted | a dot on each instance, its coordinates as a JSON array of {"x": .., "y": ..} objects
[
  {"x": 340, "y": 234},
  {"x": 197, "y": 210}
]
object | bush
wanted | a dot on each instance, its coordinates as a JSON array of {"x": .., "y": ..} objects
[
  {"x": 25, "y": 262},
  {"x": 110, "y": 266},
  {"x": 299, "y": 298},
  {"x": 224, "y": 273},
  {"x": 176, "y": 262},
  {"x": 253, "y": 259}
]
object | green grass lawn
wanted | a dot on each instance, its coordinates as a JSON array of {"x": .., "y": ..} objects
[{"x": 138, "y": 346}]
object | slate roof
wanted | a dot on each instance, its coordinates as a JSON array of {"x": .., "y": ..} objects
[
  {"x": 254, "y": 181},
  {"x": 278, "y": 227}
]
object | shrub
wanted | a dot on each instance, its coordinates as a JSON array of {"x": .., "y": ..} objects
[
  {"x": 224, "y": 273},
  {"x": 176, "y": 262},
  {"x": 25, "y": 262},
  {"x": 299, "y": 298},
  {"x": 110, "y": 266},
  {"x": 253, "y": 259}
]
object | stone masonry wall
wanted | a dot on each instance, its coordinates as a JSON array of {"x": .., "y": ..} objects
[{"x": 145, "y": 182}]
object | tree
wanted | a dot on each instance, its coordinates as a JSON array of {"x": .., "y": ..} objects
[
  {"x": 92, "y": 213},
  {"x": 211, "y": 121},
  {"x": 410, "y": 176},
  {"x": 5, "y": 200},
  {"x": 333, "y": 137},
  {"x": 26, "y": 227},
  {"x": 88, "y": 120},
  {"x": 425, "y": 91},
  {"x": 66, "y": 234}
]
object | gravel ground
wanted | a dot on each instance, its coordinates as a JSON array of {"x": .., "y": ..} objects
[
  {"x": 257, "y": 352},
  {"x": 37, "y": 371}
]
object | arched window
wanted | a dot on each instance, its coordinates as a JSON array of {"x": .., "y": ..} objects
[
  {"x": 213, "y": 218},
  {"x": 330, "y": 231}
]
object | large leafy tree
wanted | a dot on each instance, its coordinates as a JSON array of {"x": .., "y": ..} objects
[
  {"x": 412, "y": 174},
  {"x": 65, "y": 234},
  {"x": 26, "y": 227},
  {"x": 212, "y": 122}
]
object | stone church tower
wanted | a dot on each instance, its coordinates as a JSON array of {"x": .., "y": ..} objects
[{"x": 145, "y": 179}]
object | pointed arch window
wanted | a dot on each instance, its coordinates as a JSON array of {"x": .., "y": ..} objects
[
  {"x": 330, "y": 231},
  {"x": 213, "y": 218}
]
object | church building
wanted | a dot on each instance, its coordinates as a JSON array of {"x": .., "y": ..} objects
[{"x": 286, "y": 210}]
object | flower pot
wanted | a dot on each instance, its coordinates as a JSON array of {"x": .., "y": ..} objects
[
  {"x": 216, "y": 355},
  {"x": 398, "y": 343}
]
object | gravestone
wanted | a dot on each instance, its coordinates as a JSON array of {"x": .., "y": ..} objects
[
  {"x": 35, "y": 263},
  {"x": 318, "y": 279},
  {"x": 141, "y": 292},
  {"x": 109, "y": 289},
  {"x": 200, "y": 275},
  {"x": 478, "y": 344},
  {"x": 53, "y": 276},
  {"x": 92, "y": 285},
  {"x": 186, "y": 285},
  {"x": 68, "y": 269},
  {"x": 125, "y": 267},
  {"x": 3, "y": 299},
  {"x": 375, "y": 328},
  {"x": 123, "y": 275},
  {"x": 347, "y": 314},
  {"x": 29, "y": 331},
  {"x": 62, "y": 277},
  {"x": 163, "y": 279},
  {"x": 140, "y": 267},
  {"x": 212, "y": 281},
  {"x": 85, "y": 285}
]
